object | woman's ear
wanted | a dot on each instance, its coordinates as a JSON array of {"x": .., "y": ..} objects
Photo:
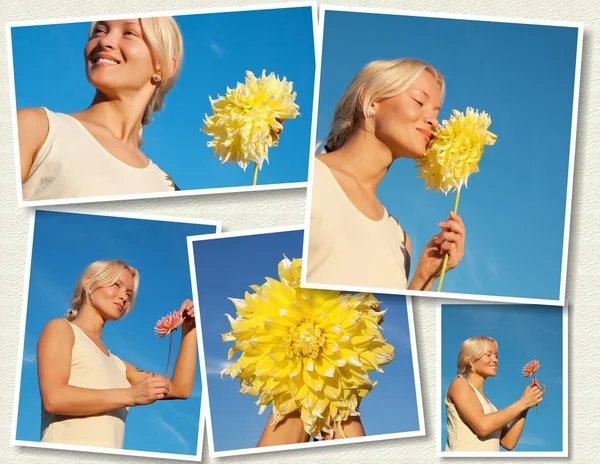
[
  {"x": 173, "y": 66},
  {"x": 85, "y": 285}
]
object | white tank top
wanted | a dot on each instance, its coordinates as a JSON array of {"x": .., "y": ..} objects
[
  {"x": 71, "y": 163},
  {"x": 347, "y": 248},
  {"x": 90, "y": 368},
  {"x": 461, "y": 437}
]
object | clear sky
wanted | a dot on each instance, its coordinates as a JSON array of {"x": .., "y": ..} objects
[
  {"x": 514, "y": 208},
  {"x": 225, "y": 268},
  {"x": 218, "y": 49},
  {"x": 64, "y": 244},
  {"x": 523, "y": 333}
]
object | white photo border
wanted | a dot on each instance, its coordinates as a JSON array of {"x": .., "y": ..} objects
[
  {"x": 323, "y": 8},
  {"x": 307, "y": 445},
  {"x": 9, "y": 25},
  {"x": 19, "y": 368},
  {"x": 512, "y": 454}
]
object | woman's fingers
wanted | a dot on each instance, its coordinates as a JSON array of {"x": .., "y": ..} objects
[{"x": 452, "y": 225}]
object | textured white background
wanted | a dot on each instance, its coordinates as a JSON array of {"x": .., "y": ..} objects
[{"x": 269, "y": 209}]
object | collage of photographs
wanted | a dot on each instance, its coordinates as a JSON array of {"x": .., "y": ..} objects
[{"x": 423, "y": 178}]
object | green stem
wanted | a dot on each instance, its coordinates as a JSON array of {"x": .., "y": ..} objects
[
  {"x": 169, "y": 355},
  {"x": 255, "y": 176},
  {"x": 445, "y": 262}
]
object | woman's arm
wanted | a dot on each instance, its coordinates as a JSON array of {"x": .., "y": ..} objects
[
  {"x": 33, "y": 129},
  {"x": 184, "y": 372},
  {"x": 450, "y": 240},
  {"x": 511, "y": 434},
  {"x": 469, "y": 407},
  {"x": 54, "y": 353},
  {"x": 352, "y": 428},
  {"x": 289, "y": 430}
]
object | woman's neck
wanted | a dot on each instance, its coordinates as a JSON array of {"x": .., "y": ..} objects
[
  {"x": 122, "y": 117},
  {"x": 476, "y": 380},
  {"x": 364, "y": 157},
  {"x": 90, "y": 320}
]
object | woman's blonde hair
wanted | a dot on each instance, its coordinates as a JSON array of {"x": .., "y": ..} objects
[
  {"x": 375, "y": 81},
  {"x": 473, "y": 348},
  {"x": 165, "y": 43},
  {"x": 102, "y": 274}
]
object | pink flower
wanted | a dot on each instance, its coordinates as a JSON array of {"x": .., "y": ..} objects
[
  {"x": 168, "y": 324},
  {"x": 531, "y": 367}
]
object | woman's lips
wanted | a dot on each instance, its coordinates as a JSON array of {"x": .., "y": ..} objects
[{"x": 425, "y": 134}]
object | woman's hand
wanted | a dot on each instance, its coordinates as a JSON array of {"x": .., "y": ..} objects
[
  {"x": 450, "y": 240},
  {"x": 532, "y": 394},
  {"x": 187, "y": 311},
  {"x": 150, "y": 390}
]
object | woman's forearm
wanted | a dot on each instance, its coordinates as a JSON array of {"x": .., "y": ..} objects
[
  {"x": 512, "y": 435},
  {"x": 497, "y": 420},
  {"x": 184, "y": 372},
  {"x": 76, "y": 401},
  {"x": 420, "y": 283},
  {"x": 289, "y": 430}
]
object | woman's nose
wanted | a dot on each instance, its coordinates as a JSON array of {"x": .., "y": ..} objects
[{"x": 107, "y": 41}]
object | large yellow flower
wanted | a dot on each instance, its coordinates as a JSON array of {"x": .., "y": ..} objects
[
  {"x": 306, "y": 350},
  {"x": 248, "y": 119},
  {"x": 455, "y": 150}
]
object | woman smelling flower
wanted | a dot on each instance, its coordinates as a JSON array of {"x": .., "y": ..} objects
[{"x": 388, "y": 111}]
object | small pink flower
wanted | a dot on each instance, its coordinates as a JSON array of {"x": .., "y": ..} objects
[
  {"x": 168, "y": 324},
  {"x": 531, "y": 367}
]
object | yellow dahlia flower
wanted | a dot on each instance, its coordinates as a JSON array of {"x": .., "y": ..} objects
[
  {"x": 247, "y": 121},
  {"x": 306, "y": 350},
  {"x": 455, "y": 150}
]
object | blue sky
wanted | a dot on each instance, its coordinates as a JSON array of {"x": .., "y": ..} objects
[
  {"x": 64, "y": 244},
  {"x": 523, "y": 333},
  {"x": 225, "y": 268},
  {"x": 218, "y": 49},
  {"x": 514, "y": 208}
]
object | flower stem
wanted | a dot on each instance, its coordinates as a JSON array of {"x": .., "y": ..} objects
[
  {"x": 536, "y": 406},
  {"x": 169, "y": 355},
  {"x": 445, "y": 262},
  {"x": 255, "y": 176}
]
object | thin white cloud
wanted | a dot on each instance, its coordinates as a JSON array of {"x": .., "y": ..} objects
[
  {"x": 214, "y": 366},
  {"x": 29, "y": 357},
  {"x": 173, "y": 431},
  {"x": 217, "y": 49}
]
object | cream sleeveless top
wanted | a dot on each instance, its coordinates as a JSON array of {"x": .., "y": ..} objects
[
  {"x": 461, "y": 437},
  {"x": 347, "y": 248},
  {"x": 90, "y": 368},
  {"x": 71, "y": 163}
]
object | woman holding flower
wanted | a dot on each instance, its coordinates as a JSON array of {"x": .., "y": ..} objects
[
  {"x": 86, "y": 390},
  {"x": 388, "y": 112},
  {"x": 473, "y": 422},
  {"x": 132, "y": 63}
]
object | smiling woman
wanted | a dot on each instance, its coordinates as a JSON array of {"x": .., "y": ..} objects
[
  {"x": 473, "y": 422},
  {"x": 387, "y": 112},
  {"x": 86, "y": 390},
  {"x": 96, "y": 152}
]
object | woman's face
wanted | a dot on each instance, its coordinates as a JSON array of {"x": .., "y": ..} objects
[
  {"x": 486, "y": 365},
  {"x": 113, "y": 301},
  {"x": 118, "y": 58},
  {"x": 404, "y": 123}
]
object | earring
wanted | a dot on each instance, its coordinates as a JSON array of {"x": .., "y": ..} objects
[
  {"x": 370, "y": 113},
  {"x": 156, "y": 78}
]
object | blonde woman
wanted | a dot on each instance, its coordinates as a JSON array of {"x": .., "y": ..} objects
[
  {"x": 473, "y": 422},
  {"x": 86, "y": 390},
  {"x": 387, "y": 112},
  {"x": 132, "y": 63}
]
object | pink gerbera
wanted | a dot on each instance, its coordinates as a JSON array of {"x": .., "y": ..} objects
[
  {"x": 168, "y": 324},
  {"x": 531, "y": 367}
]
